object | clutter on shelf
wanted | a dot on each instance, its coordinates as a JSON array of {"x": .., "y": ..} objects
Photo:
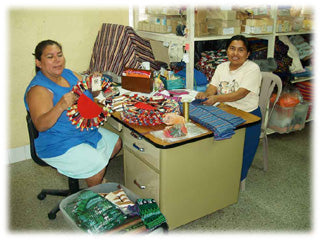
[{"x": 209, "y": 20}]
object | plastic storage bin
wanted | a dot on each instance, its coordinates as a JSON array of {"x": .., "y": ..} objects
[
  {"x": 101, "y": 188},
  {"x": 288, "y": 119}
]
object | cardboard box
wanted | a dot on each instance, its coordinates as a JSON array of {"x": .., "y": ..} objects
[
  {"x": 200, "y": 29},
  {"x": 224, "y": 31},
  {"x": 223, "y": 23},
  {"x": 284, "y": 24},
  {"x": 221, "y": 14},
  {"x": 200, "y": 16},
  {"x": 258, "y": 29},
  {"x": 307, "y": 24},
  {"x": 258, "y": 26}
]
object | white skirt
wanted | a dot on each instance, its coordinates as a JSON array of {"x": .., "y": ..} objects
[{"x": 84, "y": 161}]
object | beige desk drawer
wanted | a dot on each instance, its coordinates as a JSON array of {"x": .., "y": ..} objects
[
  {"x": 142, "y": 148},
  {"x": 140, "y": 178},
  {"x": 113, "y": 123}
]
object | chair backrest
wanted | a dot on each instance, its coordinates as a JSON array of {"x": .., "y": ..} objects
[
  {"x": 268, "y": 83},
  {"x": 33, "y": 134}
]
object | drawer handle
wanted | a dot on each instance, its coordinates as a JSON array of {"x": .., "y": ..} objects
[
  {"x": 137, "y": 147},
  {"x": 136, "y": 136},
  {"x": 139, "y": 186}
]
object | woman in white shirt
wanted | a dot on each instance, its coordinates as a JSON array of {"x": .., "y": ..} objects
[{"x": 237, "y": 83}]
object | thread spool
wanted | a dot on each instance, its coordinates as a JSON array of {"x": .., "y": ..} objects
[{"x": 186, "y": 111}]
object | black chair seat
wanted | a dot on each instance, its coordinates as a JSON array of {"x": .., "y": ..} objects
[{"x": 73, "y": 183}]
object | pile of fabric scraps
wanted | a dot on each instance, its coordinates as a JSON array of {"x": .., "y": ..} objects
[
  {"x": 210, "y": 60},
  {"x": 85, "y": 113},
  {"x": 114, "y": 212},
  {"x": 221, "y": 123},
  {"x": 176, "y": 126},
  {"x": 147, "y": 111}
]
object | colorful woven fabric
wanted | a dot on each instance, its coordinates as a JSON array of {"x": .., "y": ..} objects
[
  {"x": 209, "y": 61},
  {"x": 118, "y": 47},
  {"x": 150, "y": 213},
  {"x": 146, "y": 111},
  {"x": 221, "y": 123}
]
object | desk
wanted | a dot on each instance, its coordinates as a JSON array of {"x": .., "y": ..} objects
[{"x": 190, "y": 178}]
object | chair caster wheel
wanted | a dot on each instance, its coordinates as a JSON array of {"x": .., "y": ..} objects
[
  {"x": 52, "y": 216},
  {"x": 41, "y": 196}
]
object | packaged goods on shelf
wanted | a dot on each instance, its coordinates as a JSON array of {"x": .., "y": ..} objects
[
  {"x": 258, "y": 26},
  {"x": 259, "y": 11},
  {"x": 307, "y": 24},
  {"x": 284, "y": 24}
]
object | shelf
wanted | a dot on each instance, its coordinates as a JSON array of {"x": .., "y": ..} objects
[
  {"x": 209, "y": 38},
  {"x": 191, "y": 39},
  {"x": 163, "y": 37},
  {"x": 291, "y": 33}
]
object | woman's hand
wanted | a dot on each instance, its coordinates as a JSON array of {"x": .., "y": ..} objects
[
  {"x": 201, "y": 95},
  {"x": 67, "y": 100},
  {"x": 211, "y": 100}
]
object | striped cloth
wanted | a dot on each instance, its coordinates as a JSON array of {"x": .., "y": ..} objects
[
  {"x": 118, "y": 47},
  {"x": 221, "y": 123}
]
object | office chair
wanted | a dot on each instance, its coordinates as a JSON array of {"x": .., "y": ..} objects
[
  {"x": 73, "y": 183},
  {"x": 268, "y": 83}
]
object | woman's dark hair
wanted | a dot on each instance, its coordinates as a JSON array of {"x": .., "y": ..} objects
[
  {"x": 239, "y": 38},
  {"x": 41, "y": 46}
]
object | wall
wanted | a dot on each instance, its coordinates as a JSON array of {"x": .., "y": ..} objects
[{"x": 76, "y": 30}]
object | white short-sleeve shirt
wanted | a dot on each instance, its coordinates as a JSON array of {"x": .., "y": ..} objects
[{"x": 247, "y": 76}]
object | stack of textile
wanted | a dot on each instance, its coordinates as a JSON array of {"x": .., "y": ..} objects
[
  {"x": 118, "y": 47},
  {"x": 221, "y": 123},
  {"x": 305, "y": 89},
  {"x": 210, "y": 60},
  {"x": 283, "y": 61}
]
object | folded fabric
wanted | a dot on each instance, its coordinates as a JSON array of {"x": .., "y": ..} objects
[{"x": 221, "y": 123}]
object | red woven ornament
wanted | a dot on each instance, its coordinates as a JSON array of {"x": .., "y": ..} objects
[
  {"x": 86, "y": 114},
  {"x": 144, "y": 106},
  {"x": 88, "y": 108}
]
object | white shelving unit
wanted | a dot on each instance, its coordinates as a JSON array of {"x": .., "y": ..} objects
[{"x": 190, "y": 39}]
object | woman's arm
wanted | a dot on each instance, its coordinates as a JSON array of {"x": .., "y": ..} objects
[
  {"x": 230, "y": 97},
  {"x": 211, "y": 90},
  {"x": 43, "y": 114}
]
